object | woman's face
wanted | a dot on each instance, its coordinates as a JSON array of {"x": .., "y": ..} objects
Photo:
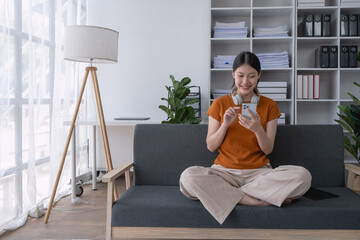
[{"x": 246, "y": 79}]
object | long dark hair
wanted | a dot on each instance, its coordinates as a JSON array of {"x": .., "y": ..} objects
[{"x": 246, "y": 58}]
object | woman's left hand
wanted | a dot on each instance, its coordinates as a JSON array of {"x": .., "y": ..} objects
[{"x": 253, "y": 124}]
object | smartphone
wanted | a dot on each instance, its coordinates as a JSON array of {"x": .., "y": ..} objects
[{"x": 251, "y": 107}]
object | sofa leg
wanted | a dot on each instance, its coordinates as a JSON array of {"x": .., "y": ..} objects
[{"x": 109, "y": 203}]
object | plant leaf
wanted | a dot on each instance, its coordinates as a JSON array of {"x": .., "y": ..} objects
[
  {"x": 185, "y": 81},
  {"x": 189, "y": 101},
  {"x": 175, "y": 104},
  {"x": 167, "y": 111}
]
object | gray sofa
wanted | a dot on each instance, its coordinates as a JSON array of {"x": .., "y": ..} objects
[{"x": 154, "y": 206}]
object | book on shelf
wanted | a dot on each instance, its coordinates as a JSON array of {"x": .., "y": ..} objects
[
  {"x": 316, "y": 86},
  {"x": 263, "y": 84},
  {"x": 281, "y": 119},
  {"x": 308, "y": 86},
  {"x": 272, "y": 90},
  {"x": 311, "y": 86},
  {"x": 299, "y": 83},
  {"x": 305, "y": 88},
  {"x": 275, "y": 95}
]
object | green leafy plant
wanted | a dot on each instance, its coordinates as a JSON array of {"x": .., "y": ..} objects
[
  {"x": 179, "y": 108},
  {"x": 350, "y": 120}
]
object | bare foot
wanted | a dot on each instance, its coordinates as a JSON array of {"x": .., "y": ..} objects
[
  {"x": 250, "y": 201},
  {"x": 287, "y": 201}
]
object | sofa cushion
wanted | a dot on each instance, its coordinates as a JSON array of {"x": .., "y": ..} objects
[
  {"x": 166, "y": 206},
  {"x": 163, "y": 151}
]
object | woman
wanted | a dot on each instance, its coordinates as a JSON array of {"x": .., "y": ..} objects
[{"x": 242, "y": 173}]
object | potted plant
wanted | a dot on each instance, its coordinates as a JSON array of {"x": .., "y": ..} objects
[
  {"x": 350, "y": 120},
  {"x": 179, "y": 109}
]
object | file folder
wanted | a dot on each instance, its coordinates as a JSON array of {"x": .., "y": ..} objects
[
  {"x": 317, "y": 25},
  {"x": 344, "y": 57},
  {"x": 326, "y": 26},
  {"x": 353, "y": 56},
  {"x": 353, "y": 21},
  {"x": 308, "y": 24},
  {"x": 344, "y": 25},
  {"x": 333, "y": 56}
]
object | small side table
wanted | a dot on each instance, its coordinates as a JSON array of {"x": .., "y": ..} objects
[{"x": 353, "y": 181}]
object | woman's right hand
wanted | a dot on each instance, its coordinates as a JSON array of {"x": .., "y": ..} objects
[{"x": 230, "y": 115}]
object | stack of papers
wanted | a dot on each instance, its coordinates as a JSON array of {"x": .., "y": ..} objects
[
  {"x": 280, "y": 31},
  {"x": 219, "y": 92},
  {"x": 311, "y": 3},
  {"x": 274, "y": 60},
  {"x": 230, "y": 30},
  {"x": 350, "y": 3},
  {"x": 222, "y": 61}
]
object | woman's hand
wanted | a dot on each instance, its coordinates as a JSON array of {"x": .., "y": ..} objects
[
  {"x": 253, "y": 124},
  {"x": 230, "y": 115}
]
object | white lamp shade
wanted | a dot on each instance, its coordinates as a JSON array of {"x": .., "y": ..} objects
[{"x": 90, "y": 44}]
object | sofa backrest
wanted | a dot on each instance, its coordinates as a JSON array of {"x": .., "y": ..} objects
[{"x": 163, "y": 151}]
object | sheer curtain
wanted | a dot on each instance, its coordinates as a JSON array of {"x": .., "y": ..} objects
[{"x": 38, "y": 92}]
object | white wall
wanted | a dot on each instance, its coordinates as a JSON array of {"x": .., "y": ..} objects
[{"x": 156, "y": 38}]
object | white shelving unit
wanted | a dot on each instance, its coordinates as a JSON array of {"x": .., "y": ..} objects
[
  {"x": 255, "y": 13},
  {"x": 334, "y": 82}
]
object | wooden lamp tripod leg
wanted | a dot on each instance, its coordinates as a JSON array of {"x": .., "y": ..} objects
[
  {"x": 102, "y": 123},
  {"x": 66, "y": 147}
]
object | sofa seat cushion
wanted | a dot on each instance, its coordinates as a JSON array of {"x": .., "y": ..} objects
[{"x": 166, "y": 206}]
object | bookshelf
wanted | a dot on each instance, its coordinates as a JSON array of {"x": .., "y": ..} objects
[
  {"x": 255, "y": 13},
  {"x": 334, "y": 82}
]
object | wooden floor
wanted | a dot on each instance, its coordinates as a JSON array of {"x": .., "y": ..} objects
[{"x": 83, "y": 221}]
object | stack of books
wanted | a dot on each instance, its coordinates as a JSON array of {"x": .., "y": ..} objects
[
  {"x": 273, "y": 90},
  {"x": 308, "y": 86},
  {"x": 222, "y": 61},
  {"x": 350, "y": 3},
  {"x": 230, "y": 30},
  {"x": 281, "y": 119},
  {"x": 219, "y": 92},
  {"x": 274, "y": 60},
  {"x": 311, "y": 3},
  {"x": 280, "y": 31}
]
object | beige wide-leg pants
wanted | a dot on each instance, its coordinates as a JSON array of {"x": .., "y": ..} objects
[{"x": 220, "y": 189}]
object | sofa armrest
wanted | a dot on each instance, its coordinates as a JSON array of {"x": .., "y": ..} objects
[
  {"x": 117, "y": 172},
  {"x": 354, "y": 173}
]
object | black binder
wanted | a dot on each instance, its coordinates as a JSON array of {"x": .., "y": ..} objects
[
  {"x": 326, "y": 26},
  {"x": 308, "y": 25},
  {"x": 344, "y": 57},
  {"x": 322, "y": 57},
  {"x": 344, "y": 25},
  {"x": 359, "y": 25},
  {"x": 333, "y": 56},
  {"x": 353, "y": 56},
  {"x": 317, "y": 25},
  {"x": 353, "y": 22}
]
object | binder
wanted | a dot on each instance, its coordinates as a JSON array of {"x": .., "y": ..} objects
[
  {"x": 353, "y": 22},
  {"x": 308, "y": 24},
  {"x": 344, "y": 57},
  {"x": 317, "y": 25},
  {"x": 333, "y": 57},
  {"x": 316, "y": 86},
  {"x": 359, "y": 25},
  {"x": 299, "y": 86},
  {"x": 344, "y": 25},
  {"x": 305, "y": 88},
  {"x": 353, "y": 56},
  {"x": 326, "y": 26},
  {"x": 322, "y": 57},
  {"x": 311, "y": 86}
]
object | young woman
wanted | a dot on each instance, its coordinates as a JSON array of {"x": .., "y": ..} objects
[{"x": 242, "y": 173}]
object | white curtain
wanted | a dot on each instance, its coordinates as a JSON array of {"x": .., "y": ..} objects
[{"x": 38, "y": 92}]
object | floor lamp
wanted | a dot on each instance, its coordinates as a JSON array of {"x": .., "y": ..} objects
[{"x": 92, "y": 45}]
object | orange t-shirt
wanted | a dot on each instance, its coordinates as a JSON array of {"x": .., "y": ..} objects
[{"x": 240, "y": 148}]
